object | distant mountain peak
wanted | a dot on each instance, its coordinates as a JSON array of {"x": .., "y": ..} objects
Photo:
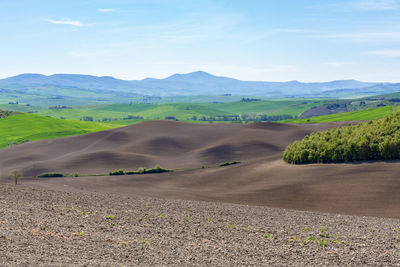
[
  {"x": 188, "y": 84},
  {"x": 191, "y": 75},
  {"x": 29, "y": 75}
]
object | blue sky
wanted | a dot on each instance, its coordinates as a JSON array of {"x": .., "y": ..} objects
[{"x": 270, "y": 40}]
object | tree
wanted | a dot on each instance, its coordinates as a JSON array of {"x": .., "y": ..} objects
[{"x": 15, "y": 175}]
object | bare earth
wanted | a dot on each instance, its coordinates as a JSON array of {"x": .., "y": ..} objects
[
  {"x": 158, "y": 219},
  {"x": 40, "y": 227}
]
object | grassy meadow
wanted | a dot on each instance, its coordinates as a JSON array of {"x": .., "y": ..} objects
[
  {"x": 362, "y": 115},
  {"x": 181, "y": 111},
  {"x": 24, "y": 127}
]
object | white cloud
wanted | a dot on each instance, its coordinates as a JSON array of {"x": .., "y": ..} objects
[
  {"x": 376, "y": 5},
  {"x": 338, "y": 63},
  {"x": 66, "y": 22},
  {"x": 106, "y": 10},
  {"x": 386, "y": 53}
]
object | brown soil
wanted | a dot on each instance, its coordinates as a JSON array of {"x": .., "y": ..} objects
[
  {"x": 261, "y": 179},
  {"x": 324, "y": 110},
  {"x": 38, "y": 225}
]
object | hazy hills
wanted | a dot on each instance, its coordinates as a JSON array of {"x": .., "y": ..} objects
[{"x": 190, "y": 84}]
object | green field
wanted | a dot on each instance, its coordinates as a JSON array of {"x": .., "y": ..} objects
[
  {"x": 181, "y": 111},
  {"x": 23, "y": 127},
  {"x": 20, "y": 127},
  {"x": 368, "y": 114}
]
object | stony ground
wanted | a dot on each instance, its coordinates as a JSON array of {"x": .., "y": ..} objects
[{"x": 40, "y": 227}]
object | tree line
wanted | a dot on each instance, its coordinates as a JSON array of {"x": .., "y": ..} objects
[{"x": 373, "y": 140}]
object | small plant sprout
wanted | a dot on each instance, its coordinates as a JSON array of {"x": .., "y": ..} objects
[
  {"x": 208, "y": 220},
  {"x": 187, "y": 218},
  {"x": 311, "y": 238},
  {"x": 160, "y": 215},
  {"x": 15, "y": 175},
  {"x": 72, "y": 208},
  {"x": 395, "y": 229},
  {"x": 110, "y": 217},
  {"x": 267, "y": 236},
  {"x": 322, "y": 232},
  {"x": 305, "y": 229},
  {"x": 81, "y": 233},
  {"x": 372, "y": 230},
  {"x": 322, "y": 243}
]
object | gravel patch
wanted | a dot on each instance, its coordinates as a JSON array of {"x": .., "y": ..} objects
[{"x": 40, "y": 227}]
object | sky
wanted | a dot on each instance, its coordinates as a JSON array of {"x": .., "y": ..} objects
[{"x": 264, "y": 40}]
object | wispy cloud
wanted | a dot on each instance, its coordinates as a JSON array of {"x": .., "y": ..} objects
[
  {"x": 185, "y": 30},
  {"x": 106, "y": 10},
  {"x": 338, "y": 63},
  {"x": 365, "y": 36},
  {"x": 363, "y": 5},
  {"x": 66, "y": 22},
  {"x": 376, "y": 5},
  {"x": 385, "y": 53}
]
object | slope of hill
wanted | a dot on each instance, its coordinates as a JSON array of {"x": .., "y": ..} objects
[
  {"x": 375, "y": 89},
  {"x": 68, "y": 81},
  {"x": 262, "y": 178},
  {"x": 23, "y": 127},
  {"x": 362, "y": 115}
]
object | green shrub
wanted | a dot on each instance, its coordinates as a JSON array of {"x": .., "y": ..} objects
[
  {"x": 229, "y": 163},
  {"x": 51, "y": 174},
  {"x": 118, "y": 172},
  {"x": 156, "y": 169},
  {"x": 141, "y": 170},
  {"x": 374, "y": 140}
]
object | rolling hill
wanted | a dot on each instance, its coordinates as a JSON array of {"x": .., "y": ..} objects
[
  {"x": 262, "y": 177},
  {"x": 362, "y": 115},
  {"x": 181, "y": 111},
  {"x": 22, "y": 127}
]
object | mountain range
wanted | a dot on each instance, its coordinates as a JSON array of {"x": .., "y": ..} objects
[{"x": 190, "y": 84}]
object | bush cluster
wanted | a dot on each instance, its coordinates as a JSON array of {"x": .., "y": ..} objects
[
  {"x": 374, "y": 140},
  {"x": 5, "y": 113},
  {"x": 229, "y": 163},
  {"x": 156, "y": 169},
  {"x": 51, "y": 174}
]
